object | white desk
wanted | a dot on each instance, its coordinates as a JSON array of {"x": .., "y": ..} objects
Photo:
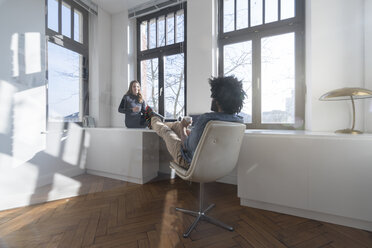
[
  {"x": 122, "y": 153},
  {"x": 324, "y": 176}
]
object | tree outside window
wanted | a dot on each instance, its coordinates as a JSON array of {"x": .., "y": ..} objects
[
  {"x": 161, "y": 60},
  {"x": 261, "y": 42}
]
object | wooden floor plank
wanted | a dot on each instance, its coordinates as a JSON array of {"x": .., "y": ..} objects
[
  {"x": 242, "y": 242},
  {"x": 293, "y": 235},
  {"x": 268, "y": 239},
  {"x": 316, "y": 242},
  {"x": 54, "y": 242},
  {"x": 90, "y": 232},
  {"x": 253, "y": 237},
  {"x": 66, "y": 239},
  {"x": 78, "y": 237},
  {"x": 143, "y": 243},
  {"x": 359, "y": 236},
  {"x": 103, "y": 221}
]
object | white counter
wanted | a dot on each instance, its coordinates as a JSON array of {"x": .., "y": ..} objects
[
  {"x": 324, "y": 176},
  {"x": 122, "y": 153}
]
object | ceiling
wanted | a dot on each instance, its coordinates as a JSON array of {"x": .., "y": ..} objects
[{"x": 117, "y": 6}]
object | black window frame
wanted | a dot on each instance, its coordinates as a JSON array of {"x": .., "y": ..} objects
[
  {"x": 69, "y": 43},
  {"x": 295, "y": 24},
  {"x": 166, "y": 50}
]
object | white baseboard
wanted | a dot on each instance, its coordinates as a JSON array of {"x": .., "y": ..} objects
[
  {"x": 68, "y": 172},
  {"x": 339, "y": 220},
  {"x": 122, "y": 177},
  {"x": 229, "y": 179}
]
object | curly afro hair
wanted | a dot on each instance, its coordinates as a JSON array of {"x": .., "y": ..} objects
[{"x": 228, "y": 92}]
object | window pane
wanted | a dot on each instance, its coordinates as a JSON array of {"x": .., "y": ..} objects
[
  {"x": 238, "y": 62},
  {"x": 150, "y": 82},
  {"x": 143, "y": 36},
  {"x": 228, "y": 15},
  {"x": 78, "y": 26},
  {"x": 152, "y": 37},
  {"x": 271, "y": 11},
  {"x": 53, "y": 15},
  {"x": 170, "y": 29},
  {"x": 256, "y": 12},
  {"x": 66, "y": 19},
  {"x": 161, "y": 31},
  {"x": 278, "y": 79},
  {"x": 287, "y": 9},
  {"x": 180, "y": 26},
  {"x": 174, "y": 86},
  {"x": 242, "y": 14},
  {"x": 64, "y": 84}
]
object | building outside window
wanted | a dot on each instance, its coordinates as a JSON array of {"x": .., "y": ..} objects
[
  {"x": 261, "y": 42},
  {"x": 67, "y": 53},
  {"x": 161, "y": 60}
]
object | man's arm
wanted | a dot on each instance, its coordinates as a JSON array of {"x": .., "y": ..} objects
[
  {"x": 192, "y": 138},
  {"x": 184, "y": 134}
]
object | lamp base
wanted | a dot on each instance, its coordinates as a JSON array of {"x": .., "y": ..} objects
[{"x": 349, "y": 131}]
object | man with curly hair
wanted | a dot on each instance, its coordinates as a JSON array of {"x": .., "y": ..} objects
[{"x": 227, "y": 101}]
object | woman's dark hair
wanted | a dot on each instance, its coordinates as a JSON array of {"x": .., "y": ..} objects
[
  {"x": 129, "y": 92},
  {"x": 228, "y": 92}
]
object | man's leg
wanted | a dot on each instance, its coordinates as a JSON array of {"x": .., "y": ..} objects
[
  {"x": 172, "y": 140},
  {"x": 176, "y": 126}
]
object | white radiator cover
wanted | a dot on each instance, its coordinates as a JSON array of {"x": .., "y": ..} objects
[{"x": 322, "y": 176}]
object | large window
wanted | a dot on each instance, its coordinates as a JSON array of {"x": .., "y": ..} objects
[
  {"x": 67, "y": 44},
  {"x": 261, "y": 42},
  {"x": 161, "y": 60}
]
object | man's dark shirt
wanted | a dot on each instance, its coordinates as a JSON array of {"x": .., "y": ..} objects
[{"x": 192, "y": 140}]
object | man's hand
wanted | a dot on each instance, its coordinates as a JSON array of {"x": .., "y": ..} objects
[{"x": 188, "y": 131}]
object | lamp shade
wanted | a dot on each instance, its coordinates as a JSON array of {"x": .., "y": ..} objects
[{"x": 345, "y": 94}]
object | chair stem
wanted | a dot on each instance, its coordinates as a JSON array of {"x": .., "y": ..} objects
[
  {"x": 201, "y": 197},
  {"x": 201, "y": 215}
]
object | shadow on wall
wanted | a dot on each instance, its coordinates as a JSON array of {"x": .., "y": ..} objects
[{"x": 29, "y": 156}]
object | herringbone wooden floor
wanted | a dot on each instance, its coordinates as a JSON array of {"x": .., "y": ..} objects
[{"x": 121, "y": 214}]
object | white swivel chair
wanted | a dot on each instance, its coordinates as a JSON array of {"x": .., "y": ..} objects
[{"x": 215, "y": 156}]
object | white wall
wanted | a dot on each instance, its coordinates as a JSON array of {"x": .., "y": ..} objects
[
  {"x": 93, "y": 68},
  {"x": 119, "y": 65},
  {"x": 100, "y": 68},
  {"x": 112, "y": 65},
  {"x": 368, "y": 62},
  {"x": 28, "y": 158},
  {"x": 201, "y": 59},
  {"x": 334, "y": 59}
]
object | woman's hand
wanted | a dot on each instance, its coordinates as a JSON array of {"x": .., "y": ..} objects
[{"x": 136, "y": 109}]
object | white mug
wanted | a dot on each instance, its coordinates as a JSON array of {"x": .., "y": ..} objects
[{"x": 188, "y": 119}]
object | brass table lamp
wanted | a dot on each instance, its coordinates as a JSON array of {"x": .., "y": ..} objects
[{"x": 347, "y": 94}]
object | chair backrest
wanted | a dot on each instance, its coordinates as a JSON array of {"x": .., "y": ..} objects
[{"x": 217, "y": 152}]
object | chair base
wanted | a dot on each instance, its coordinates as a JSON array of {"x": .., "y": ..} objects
[{"x": 202, "y": 216}]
